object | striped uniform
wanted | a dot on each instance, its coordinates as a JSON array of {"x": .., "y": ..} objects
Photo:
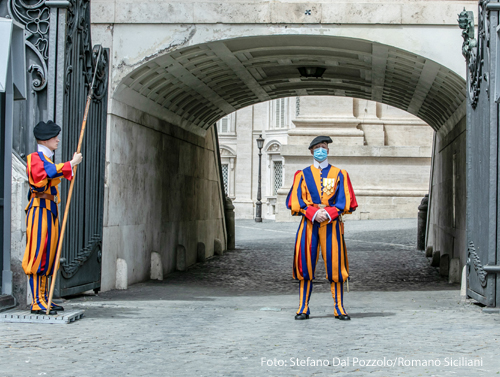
[
  {"x": 304, "y": 198},
  {"x": 42, "y": 224}
]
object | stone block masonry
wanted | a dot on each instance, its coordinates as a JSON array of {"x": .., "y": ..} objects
[{"x": 162, "y": 190}]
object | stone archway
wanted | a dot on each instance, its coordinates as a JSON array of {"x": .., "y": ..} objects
[
  {"x": 195, "y": 86},
  {"x": 168, "y": 104}
]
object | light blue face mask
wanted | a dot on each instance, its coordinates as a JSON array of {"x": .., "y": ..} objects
[{"x": 320, "y": 154}]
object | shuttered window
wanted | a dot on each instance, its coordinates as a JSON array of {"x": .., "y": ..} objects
[
  {"x": 278, "y": 176},
  {"x": 225, "y": 177},
  {"x": 279, "y": 113},
  {"x": 224, "y": 125}
]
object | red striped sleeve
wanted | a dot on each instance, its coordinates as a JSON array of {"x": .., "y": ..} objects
[
  {"x": 311, "y": 211},
  {"x": 37, "y": 169},
  {"x": 354, "y": 203},
  {"x": 67, "y": 171},
  {"x": 333, "y": 212}
]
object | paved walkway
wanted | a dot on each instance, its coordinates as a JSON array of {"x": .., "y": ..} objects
[{"x": 233, "y": 316}]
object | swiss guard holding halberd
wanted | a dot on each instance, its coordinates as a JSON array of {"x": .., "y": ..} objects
[
  {"x": 322, "y": 193},
  {"x": 42, "y": 220}
]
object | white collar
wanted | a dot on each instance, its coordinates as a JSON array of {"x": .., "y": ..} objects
[
  {"x": 321, "y": 165},
  {"x": 46, "y": 151}
]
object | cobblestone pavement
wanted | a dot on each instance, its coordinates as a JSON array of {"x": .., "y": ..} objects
[{"x": 233, "y": 316}]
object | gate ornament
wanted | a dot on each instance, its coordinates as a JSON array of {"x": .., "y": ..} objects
[
  {"x": 474, "y": 260},
  {"x": 102, "y": 70},
  {"x": 474, "y": 49},
  {"x": 71, "y": 267},
  {"x": 35, "y": 16},
  {"x": 466, "y": 23},
  {"x": 40, "y": 82}
]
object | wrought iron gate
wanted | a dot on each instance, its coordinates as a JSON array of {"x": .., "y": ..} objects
[
  {"x": 60, "y": 61},
  {"x": 482, "y": 153},
  {"x": 2, "y": 195},
  {"x": 81, "y": 258}
]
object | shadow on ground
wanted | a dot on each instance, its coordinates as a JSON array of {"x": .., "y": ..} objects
[
  {"x": 382, "y": 257},
  {"x": 356, "y": 315}
]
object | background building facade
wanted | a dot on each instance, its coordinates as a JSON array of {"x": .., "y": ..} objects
[{"x": 386, "y": 151}]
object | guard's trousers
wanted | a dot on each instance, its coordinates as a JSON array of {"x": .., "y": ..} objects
[
  {"x": 329, "y": 238},
  {"x": 306, "y": 287},
  {"x": 42, "y": 231},
  {"x": 39, "y": 286}
]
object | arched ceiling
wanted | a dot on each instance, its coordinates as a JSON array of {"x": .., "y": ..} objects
[{"x": 200, "y": 84}]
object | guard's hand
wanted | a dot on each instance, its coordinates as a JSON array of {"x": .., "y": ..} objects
[
  {"x": 77, "y": 158},
  {"x": 321, "y": 216}
]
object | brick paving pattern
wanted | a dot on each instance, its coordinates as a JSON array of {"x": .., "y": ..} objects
[{"x": 233, "y": 316}]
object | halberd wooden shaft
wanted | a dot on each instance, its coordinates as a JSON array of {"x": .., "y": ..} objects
[{"x": 70, "y": 192}]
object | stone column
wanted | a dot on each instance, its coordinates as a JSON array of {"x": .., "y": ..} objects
[
  {"x": 243, "y": 173},
  {"x": 231, "y": 177},
  {"x": 269, "y": 170}
]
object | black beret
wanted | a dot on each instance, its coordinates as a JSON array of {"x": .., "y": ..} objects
[
  {"x": 320, "y": 139},
  {"x": 46, "y": 131}
]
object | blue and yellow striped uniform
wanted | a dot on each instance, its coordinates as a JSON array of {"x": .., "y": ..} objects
[
  {"x": 305, "y": 198},
  {"x": 42, "y": 224}
]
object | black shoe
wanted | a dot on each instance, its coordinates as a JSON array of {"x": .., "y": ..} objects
[
  {"x": 57, "y": 308},
  {"x": 343, "y": 317},
  {"x": 302, "y": 316},
  {"x": 43, "y": 312}
]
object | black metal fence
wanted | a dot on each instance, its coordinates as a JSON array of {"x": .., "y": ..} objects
[
  {"x": 60, "y": 61},
  {"x": 81, "y": 263},
  {"x": 83, "y": 240}
]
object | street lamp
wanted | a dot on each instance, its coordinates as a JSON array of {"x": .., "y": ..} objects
[{"x": 258, "y": 209}]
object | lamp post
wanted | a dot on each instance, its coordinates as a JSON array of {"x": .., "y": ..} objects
[{"x": 258, "y": 209}]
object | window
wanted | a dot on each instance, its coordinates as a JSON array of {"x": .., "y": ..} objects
[
  {"x": 225, "y": 177},
  {"x": 224, "y": 125},
  {"x": 279, "y": 113},
  {"x": 278, "y": 176}
]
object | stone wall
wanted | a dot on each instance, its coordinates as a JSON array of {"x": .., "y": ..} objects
[
  {"x": 386, "y": 151},
  {"x": 19, "y": 200},
  {"x": 387, "y": 186},
  {"x": 245, "y": 148},
  {"x": 446, "y": 229},
  {"x": 162, "y": 190},
  {"x": 141, "y": 29}
]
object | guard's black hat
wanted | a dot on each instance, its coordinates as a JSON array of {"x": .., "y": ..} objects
[
  {"x": 320, "y": 139},
  {"x": 46, "y": 131}
]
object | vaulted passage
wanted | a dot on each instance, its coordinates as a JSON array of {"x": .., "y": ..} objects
[
  {"x": 200, "y": 84},
  {"x": 162, "y": 142}
]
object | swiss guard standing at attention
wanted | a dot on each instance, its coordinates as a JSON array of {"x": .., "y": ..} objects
[
  {"x": 322, "y": 194},
  {"x": 42, "y": 222}
]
